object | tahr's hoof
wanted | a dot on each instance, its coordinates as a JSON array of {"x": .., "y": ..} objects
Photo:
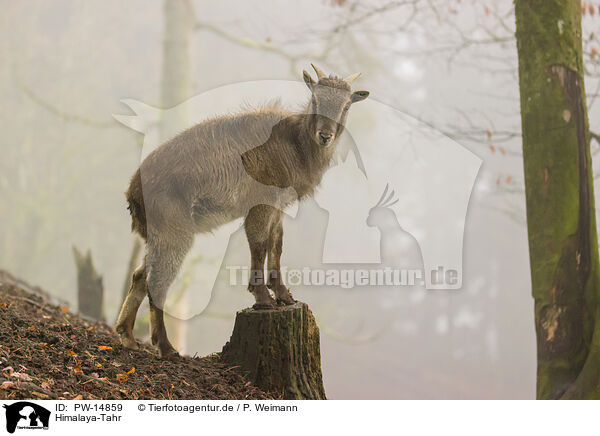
[
  {"x": 129, "y": 343},
  {"x": 169, "y": 354}
]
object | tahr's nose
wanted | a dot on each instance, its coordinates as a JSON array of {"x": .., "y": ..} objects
[{"x": 325, "y": 136}]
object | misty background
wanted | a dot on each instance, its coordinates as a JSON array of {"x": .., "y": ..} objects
[{"x": 65, "y": 163}]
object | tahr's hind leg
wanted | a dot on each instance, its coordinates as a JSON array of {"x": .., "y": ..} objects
[
  {"x": 132, "y": 302},
  {"x": 164, "y": 261},
  {"x": 159, "y": 332},
  {"x": 275, "y": 282},
  {"x": 257, "y": 224}
]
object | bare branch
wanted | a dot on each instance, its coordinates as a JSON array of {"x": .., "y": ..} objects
[
  {"x": 256, "y": 45},
  {"x": 69, "y": 117}
]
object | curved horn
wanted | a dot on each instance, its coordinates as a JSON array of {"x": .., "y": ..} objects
[
  {"x": 320, "y": 73},
  {"x": 351, "y": 78}
]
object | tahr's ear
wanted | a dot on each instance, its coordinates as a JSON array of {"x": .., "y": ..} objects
[
  {"x": 359, "y": 96},
  {"x": 308, "y": 80}
]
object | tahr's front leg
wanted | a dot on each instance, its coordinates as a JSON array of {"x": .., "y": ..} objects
[
  {"x": 257, "y": 225},
  {"x": 275, "y": 282}
]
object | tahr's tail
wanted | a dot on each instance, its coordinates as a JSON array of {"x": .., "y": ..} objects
[{"x": 135, "y": 200}]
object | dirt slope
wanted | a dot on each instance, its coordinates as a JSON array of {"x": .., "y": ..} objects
[{"x": 47, "y": 352}]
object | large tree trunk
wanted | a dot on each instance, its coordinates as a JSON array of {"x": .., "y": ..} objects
[
  {"x": 563, "y": 246},
  {"x": 280, "y": 350}
]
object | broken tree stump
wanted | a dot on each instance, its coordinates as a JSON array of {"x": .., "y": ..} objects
[
  {"x": 90, "y": 290},
  {"x": 280, "y": 350}
]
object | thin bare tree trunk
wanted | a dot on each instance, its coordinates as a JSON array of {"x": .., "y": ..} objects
[{"x": 176, "y": 87}]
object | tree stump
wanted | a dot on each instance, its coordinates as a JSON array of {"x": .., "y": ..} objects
[
  {"x": 90, "y": 290},
  {"x": 280, "y": 350}
]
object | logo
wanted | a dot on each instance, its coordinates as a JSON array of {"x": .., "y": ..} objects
[{"x": 26, "y": 415}]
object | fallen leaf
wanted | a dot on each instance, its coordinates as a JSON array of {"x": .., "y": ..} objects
[
  {"x": 7, "y": 384},
  {"x": 104, "y": 347},
  {"x": 31, "y": 328},
  {"x": 21, "y": 376},
  {"x": 492, "y": 148},
  {"x": 9, "y": 369},
  {"x": 2, "y": 304},
  {"x": 122, "y": 378},
  {"x": 40, "y": 395},
  {"x": 131, "y": 371},
  {"x": 72, "y": 353},
  {"x": 98, "y": 365},
  {"x": 65, "y": 309},
  {"x": 77, "y": 371},
  {"x": 78, "y": 397}
]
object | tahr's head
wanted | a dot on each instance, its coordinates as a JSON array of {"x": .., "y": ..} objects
[{"x": 331, "y": 98}]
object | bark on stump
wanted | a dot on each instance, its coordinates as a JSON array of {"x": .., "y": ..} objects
[{"x": 280, "y": 350}]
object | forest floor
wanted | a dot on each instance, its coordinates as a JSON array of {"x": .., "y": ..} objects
[{"x": 47, "y": 352}]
